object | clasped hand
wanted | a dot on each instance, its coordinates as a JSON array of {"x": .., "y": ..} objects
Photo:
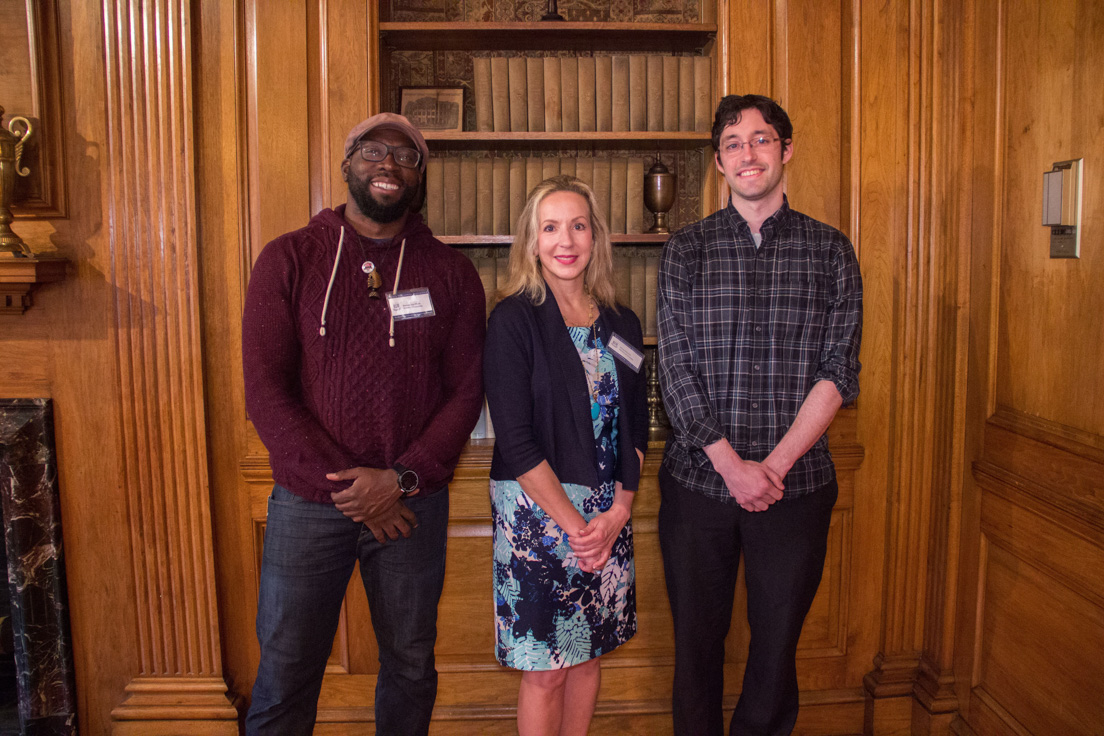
[
  {"x": 594, "y": 543},
  {"x": 754, "y": 485},
  {"x": 373, "y": 498}
]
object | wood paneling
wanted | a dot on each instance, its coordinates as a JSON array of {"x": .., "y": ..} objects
[
  {"x": 1051, "y": 311},
  {"x": 1032, "y": 595}
]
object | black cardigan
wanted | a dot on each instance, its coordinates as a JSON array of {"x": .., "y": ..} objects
[{"x": 538, "y": 398}]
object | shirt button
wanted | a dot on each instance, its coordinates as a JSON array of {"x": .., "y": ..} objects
[
  {"x": 754, "y": 405},
  {"x": 754, "y": 443},
  {"x": 756, "y": 367},
  {"x": 758, "y": 329}
]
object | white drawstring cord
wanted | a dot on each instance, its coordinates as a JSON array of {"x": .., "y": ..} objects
[
  {"x": 398, "y": 273},
  {"x": 329, "y": 287}
]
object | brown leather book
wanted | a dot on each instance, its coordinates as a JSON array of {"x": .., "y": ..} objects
[
  {"x": 500, "y": 196},
  {"x": 584, "y": 169},
  {"x": 484, "y": 198},
  {"x": 655, "y": 92},
  {"x": 588, "y": 92},
  {"x": 603, "y": 93},
  {"x": 534, "y": 173},
  {"x": 500, "y": 94},
  {"x": 618, "y": 170},
  {"x": 550, "y": 167},
  {"x": 534, "y": 66},
  {"x": 569, "y": 94},
  {"x": 451, "y": 166},
  {"x": 519, "y": 108},
  {"x": 703, "y": 94},
  {"x": 518, "y": 192},
  {"x": 435, "y": 195},
  {"x": 638, "y": 92},
  {"x": 553, "y": 113},
  {"x": 468, "y": 194},
  {"x": 622, "y": 280},
  {"x": 634, "y": 195},
  {"x": 670, "y": 93},
  {"x": 601, "y": 184},
  {"x": 481, "y": 86},
  {"x": 620, "y": 92},
  {"x": 686, "y": 94}
]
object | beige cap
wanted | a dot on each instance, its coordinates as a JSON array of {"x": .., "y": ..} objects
[{"x": 387, "y": 121}]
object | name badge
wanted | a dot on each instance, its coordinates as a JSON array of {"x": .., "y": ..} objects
[
  {"x": 629, "y": 355},
  {"x": 410, "y": 304}
]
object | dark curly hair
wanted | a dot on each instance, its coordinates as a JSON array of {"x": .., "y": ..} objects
[{"x": 728, "y": 113}]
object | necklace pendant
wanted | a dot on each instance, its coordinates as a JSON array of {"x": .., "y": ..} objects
[
  {"x": 375, "y": 281},
  {"x": 368, "y": 267}
]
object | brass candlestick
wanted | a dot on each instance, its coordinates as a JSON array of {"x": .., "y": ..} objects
[
  {"x": 12, "y": 139},
  {"x": 659, "y": 195},
  {"x": 552, "y": 13}
]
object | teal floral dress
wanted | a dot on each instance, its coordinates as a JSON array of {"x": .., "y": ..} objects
[{"x": 549, "y": 614}]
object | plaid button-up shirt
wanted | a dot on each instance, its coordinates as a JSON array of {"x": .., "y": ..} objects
[{"x": 744, "y": 334}]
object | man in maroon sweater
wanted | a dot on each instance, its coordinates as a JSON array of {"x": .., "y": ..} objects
[{"x": 362, "y": 342}]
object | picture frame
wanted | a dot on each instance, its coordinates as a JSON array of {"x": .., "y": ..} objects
[{"x": 433, "y": 108}]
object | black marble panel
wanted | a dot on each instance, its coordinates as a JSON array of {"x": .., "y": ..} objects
[{"x": 36, "y": 568}]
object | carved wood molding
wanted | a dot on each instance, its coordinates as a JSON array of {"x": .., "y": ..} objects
[
  {"x": 151, "y": 218},
  {"x": 1070, "y": 439},
  {"x": 932, "y": 328}
]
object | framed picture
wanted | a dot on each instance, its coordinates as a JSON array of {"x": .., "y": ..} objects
[{"x": 434, "y": 108}]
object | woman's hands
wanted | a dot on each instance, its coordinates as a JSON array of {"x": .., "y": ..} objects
[{"x": 594, "y": 543}]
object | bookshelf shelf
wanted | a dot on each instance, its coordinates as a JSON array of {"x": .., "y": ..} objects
[
  {"x": 506, "y": 240},
  {"x": 533, "y": 36},
  {"x": 644, "y": 140}
]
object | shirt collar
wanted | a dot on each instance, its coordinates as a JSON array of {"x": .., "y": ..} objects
[{"x": 771, "y": 225}]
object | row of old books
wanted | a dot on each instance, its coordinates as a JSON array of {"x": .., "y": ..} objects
[
  {"x": 635, "y": 279},
  {"x": 484, "y": 196},
  {"x": 620, "y": 93}
]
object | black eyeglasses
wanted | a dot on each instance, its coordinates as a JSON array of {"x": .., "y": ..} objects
[{"x": 404, "y": 155}]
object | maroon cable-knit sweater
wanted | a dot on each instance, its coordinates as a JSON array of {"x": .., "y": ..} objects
[{"x": 323, "y": 403}]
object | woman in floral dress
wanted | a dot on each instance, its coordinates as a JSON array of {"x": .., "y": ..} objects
[{"x": 565, "y": 386}]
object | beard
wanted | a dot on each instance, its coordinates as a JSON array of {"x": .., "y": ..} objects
[{"x": 361, "y": 192}]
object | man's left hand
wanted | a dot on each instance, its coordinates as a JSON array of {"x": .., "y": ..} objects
[{"x": 372, "y": 491}]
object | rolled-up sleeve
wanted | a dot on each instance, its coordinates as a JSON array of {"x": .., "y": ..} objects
[{"x": 839, "y": 354}]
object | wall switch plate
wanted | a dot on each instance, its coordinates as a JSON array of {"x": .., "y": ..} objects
[{"x": 1062, "y": 207}]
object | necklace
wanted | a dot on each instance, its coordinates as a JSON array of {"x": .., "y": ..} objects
[{"x": 375, "y": 279}]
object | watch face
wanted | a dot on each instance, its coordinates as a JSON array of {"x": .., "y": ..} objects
[{"x": 408, "y": 481}]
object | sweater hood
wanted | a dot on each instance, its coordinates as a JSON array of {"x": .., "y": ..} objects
[
  {"x": 333, "y": 226},
  {"x": 333, "y": 221}
]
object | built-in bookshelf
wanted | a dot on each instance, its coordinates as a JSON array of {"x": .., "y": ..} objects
[{"x": 602, "y": 96}]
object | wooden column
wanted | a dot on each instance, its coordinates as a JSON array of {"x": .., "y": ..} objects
[
  {"x": 150, "y": 214},
  {"x": 911, "y": 689}
]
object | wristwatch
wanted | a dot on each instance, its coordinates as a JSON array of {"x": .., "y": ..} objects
[{"x": 408, "y": 479}]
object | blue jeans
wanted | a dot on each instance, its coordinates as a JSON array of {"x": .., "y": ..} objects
[{"x": 309, "y": 553}]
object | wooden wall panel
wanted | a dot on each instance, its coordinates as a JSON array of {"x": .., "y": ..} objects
[
  {"x": 1032, "y": 596},
  {"x": 1048, "y": 343}
]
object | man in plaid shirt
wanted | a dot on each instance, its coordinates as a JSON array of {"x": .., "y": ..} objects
[{"x": 760, "y": 316}]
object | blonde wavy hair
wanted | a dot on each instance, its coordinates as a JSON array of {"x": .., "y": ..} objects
[{"x": 523, "y": 274}]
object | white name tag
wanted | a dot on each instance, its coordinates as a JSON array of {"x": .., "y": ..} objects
[
  {"x": 629, "y": 355},
  {"x": 410, "y": 304}
]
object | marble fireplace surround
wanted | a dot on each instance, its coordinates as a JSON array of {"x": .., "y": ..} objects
[{"x": 36, "y": 568}]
